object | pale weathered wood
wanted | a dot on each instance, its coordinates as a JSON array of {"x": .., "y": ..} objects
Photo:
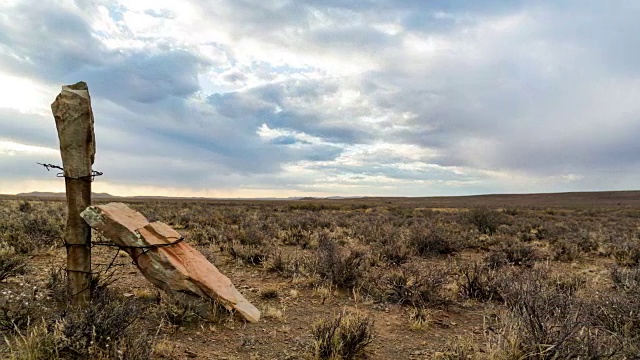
[{"x": 74, "y": 122}]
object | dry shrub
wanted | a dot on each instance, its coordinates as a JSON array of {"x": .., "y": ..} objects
[
  {"x": 12, "y": 265},
  {"x": 288, "y": 266},
  {"x": 31, "y": 230},
  {"x": 103, "y": 330},
  {"x": 48, "y": 342},
  {"x": 480, "y": 282},
  {"x": 346, "y": 336},
  {"x": 252, "y": 234},
  {"x": 512, "y": 252},
  {"x": 619, "y": 317},
  {"x": 395, "y": 252},
  {"x": 39, "y": 343},
  {"x": 564, "y": 250},
  {"x": 185, "y": 310},
  {"x": 572, "y": 243},
  {"x": 269, "y": 294},
  {"x": 56, "y": 285},
  {"x": 569, "y": 284},
  {"x": 377, "y": 231},
  {"x": 618, "y": 313},
  {"x": 436, "y": 240},
  {"x": 413, "y": 286},
  {"x": 106, "y": 319},
  {"x": 627, "y": 280},
  {"x": 25, "y": 206},
  {"x": 460, "y": 348},
  {"x": 484, "y": 219},
  {"x": 296, "y": 235},
  {"x": 20, "y": 307},
  {"x": 278, "y": 262},
  {"x": 420, "y": 318},
  {"x": 544, "y": 321},
  {"x": 178, "y": 313},
  {"x": 31, "y": 233},
  {"x": 340, "y": 267},
  {"x": 627, "y": 252},
  {"x": 249, "y": 254},
  {"x": 203, "y": 235}
]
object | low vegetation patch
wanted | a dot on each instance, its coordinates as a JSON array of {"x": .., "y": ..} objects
[
  {"x": 462, "y": 282},
  {"x": 345, "y": 336}
]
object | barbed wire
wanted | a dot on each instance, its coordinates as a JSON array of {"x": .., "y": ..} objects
[
  {"x": 89, "y": 178},
  {"x": 122, "y": 247},
  {"x": 145, "y": 247},
  {"x": 112, "y": 264}
]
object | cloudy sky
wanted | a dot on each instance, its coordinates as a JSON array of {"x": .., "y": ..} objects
[{"x": 259, "y": 98}]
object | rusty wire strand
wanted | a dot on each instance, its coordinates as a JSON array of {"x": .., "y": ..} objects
[{"x": 89, "y": 178}]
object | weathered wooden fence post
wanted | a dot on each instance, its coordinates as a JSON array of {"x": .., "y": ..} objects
[{"x": 74, "y": 122}]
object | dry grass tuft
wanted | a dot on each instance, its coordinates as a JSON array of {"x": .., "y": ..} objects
[{"x": 345, "y": 336}]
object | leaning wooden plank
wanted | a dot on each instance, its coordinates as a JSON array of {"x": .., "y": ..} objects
[{"x": 178, "y": 269}]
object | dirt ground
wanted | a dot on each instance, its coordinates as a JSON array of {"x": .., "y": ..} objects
[{"x": 302, "y": 300}]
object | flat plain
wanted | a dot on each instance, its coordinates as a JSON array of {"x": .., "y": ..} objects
[{"x": 540, "y": 276}]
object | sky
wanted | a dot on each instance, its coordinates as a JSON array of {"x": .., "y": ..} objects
[{"x": 283, "y": 98}]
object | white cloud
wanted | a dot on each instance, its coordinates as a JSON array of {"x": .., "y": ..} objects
[
  {"x": 11, "y": 148},
  {"x": 288, "y": 97},
  {"x": 23, "y": 94}
]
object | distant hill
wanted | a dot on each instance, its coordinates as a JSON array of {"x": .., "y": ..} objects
[
  {"x": 540, "y": 200},
  {"x": 326, "y": 198},
  {"x": 205, "y": 198},
  {"x": 568, "y": 199},
  {"x": 61, "y": 195}
]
